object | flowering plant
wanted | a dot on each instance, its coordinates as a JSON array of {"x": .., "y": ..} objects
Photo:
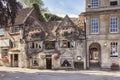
[{"x": 4, "y": 58}]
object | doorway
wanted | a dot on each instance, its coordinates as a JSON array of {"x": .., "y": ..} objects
[
  {"x": 14, "y": 60},
  {"x": 95, "y": 55},
  {"x": 48, "y": 62}
]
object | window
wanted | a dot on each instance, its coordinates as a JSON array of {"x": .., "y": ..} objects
[
  {"x": 114, "y": 24},
  {"x": 1, "y": 31},
  {"x": 114, "y": 49},
  {"x": 49, "y": 45},
  {"x": 34, "y": 45},
  {"x": 66, "y": 62},
  {"x": 35, "y": 62},
  {"x": 94, "y": 3},
  {"x": 67, "y": 44},
  {"x": 94, "y": 25},
  {"x": 113, "y": 2},
  {"x": 14, "y": 30}
]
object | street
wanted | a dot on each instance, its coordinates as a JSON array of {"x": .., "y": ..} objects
[{"x": 7, "y": 73}]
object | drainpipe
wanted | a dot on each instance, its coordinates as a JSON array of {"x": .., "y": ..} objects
[{"x": 85, "y": 45}]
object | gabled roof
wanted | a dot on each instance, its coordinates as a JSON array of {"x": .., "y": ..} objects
[
  {"x": 64, "y": 23},
  {"x": 50, "y": 28},
  {"x": 22, "y": 16}
]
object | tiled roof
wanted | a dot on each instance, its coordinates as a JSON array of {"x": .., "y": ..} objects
[{"x": 21, "y": 15}]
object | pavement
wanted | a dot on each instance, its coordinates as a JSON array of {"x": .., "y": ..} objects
[{"x": 8, "y": 73}]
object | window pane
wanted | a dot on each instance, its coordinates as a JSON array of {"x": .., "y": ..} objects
[
  {"x": 112, "y": 3},
  {"x": 94, "y": 3},
  {"x": 1, "y": 31},
  {"x": 94, "y": 25},
  {"x": 114, "y": 49},
  {"x": 114, "y": 24}
]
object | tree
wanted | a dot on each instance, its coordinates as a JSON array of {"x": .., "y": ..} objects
[
  {"x": 29, "y": 3},
  {"x": 52, "y": 17},
  {"x": 39, "y": 13},
  {"x": 8, "y": 10},
  {"x": 42, "y": 12}
]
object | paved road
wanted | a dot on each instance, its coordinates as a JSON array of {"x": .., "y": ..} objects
[{"x": 33, "y": 74}]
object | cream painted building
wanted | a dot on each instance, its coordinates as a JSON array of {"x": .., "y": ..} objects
[{"x": 103, "y": 33}]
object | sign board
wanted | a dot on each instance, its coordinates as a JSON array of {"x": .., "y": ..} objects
[{"x": 5, "y": 43}]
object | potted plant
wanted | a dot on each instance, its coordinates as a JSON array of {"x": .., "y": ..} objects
[{"x": 114, "y": 66}]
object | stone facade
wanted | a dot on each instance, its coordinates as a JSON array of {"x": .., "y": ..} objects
[
  {"x": 103, "y": 43},
  {"x": 62, "y": 48},
  {"x": 35, "y": 44}
]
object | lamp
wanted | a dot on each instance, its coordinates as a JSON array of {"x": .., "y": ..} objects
[
  {"x": 79, "y": 58},
  {"x": 105, "y": 44}
]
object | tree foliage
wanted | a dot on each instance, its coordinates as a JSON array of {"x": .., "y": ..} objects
[
  {"x": 39, "y": 13},
  {"x": 42, "y": 12},
  {"x": 52, "y": 17},
  {"x": 8, "y": 10},
  {"x": 29, "y": 3}
]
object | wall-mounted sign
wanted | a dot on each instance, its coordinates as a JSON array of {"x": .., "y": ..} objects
[{"x": 5, "y": 43}]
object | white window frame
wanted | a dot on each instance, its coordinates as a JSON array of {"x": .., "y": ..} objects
[
  {"x": 94, "y": 23},
  {"x": 14, "y": 32},
  {"x": 114, "y": 49},
  {"x": 114, "y": 21},
  {"x": 94, "y": 3},
  {"x": 1, "y": 31}
]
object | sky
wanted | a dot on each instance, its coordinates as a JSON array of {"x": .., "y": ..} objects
[{"x": 62, "y": 7}]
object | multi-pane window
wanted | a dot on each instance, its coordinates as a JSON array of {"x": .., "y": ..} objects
[
  {"x": 66, "y": 62},
  {"x": 114, "y": 49},
  {"x": 113, "y": 2},
  {"x": 114, "y": 24},
  {"x": 14, "y": 30},
  {"x": 35, "y": 45},
  {"x": 94, "y": 25},
  {"x": 94, "y": 3},
  {"x": 67, "y": 44},
  {"x": 49, "y": 45},
  {"x": 1, "y": 31}
]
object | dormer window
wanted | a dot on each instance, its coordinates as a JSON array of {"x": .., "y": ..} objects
[
  {"x": 14, "y": 30},
  {"x": 113, "y": 2}
]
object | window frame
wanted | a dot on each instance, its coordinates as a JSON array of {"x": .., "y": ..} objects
[
  {"x": 52, "y": 43},
  {"x": 70, "y": 44},
  {"x": 94, "y": 3},
  {"x": 114, "y": 49},
  {"x": 113, "y": 23},
  {"x": 1, "y": 33},
  {"x": 94, "y": 25},
  {"x": 14, "y": 31},
  {"x": 114, "y": 1}
]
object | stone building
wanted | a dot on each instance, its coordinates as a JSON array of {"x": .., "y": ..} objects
[
  {"x": 63, "y": 46},
  {"x": 102, "y": 32},
  {"x": 34, "y": 44},
  {"x": 13, "y": 43}
]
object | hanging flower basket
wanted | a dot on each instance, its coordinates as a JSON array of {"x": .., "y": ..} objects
[
  {"x": 114, "y": 66},
  {"x": 34, "y": 32},
  {"x": 56, "y": 56},
  {"x": 5, "y": 59}
]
